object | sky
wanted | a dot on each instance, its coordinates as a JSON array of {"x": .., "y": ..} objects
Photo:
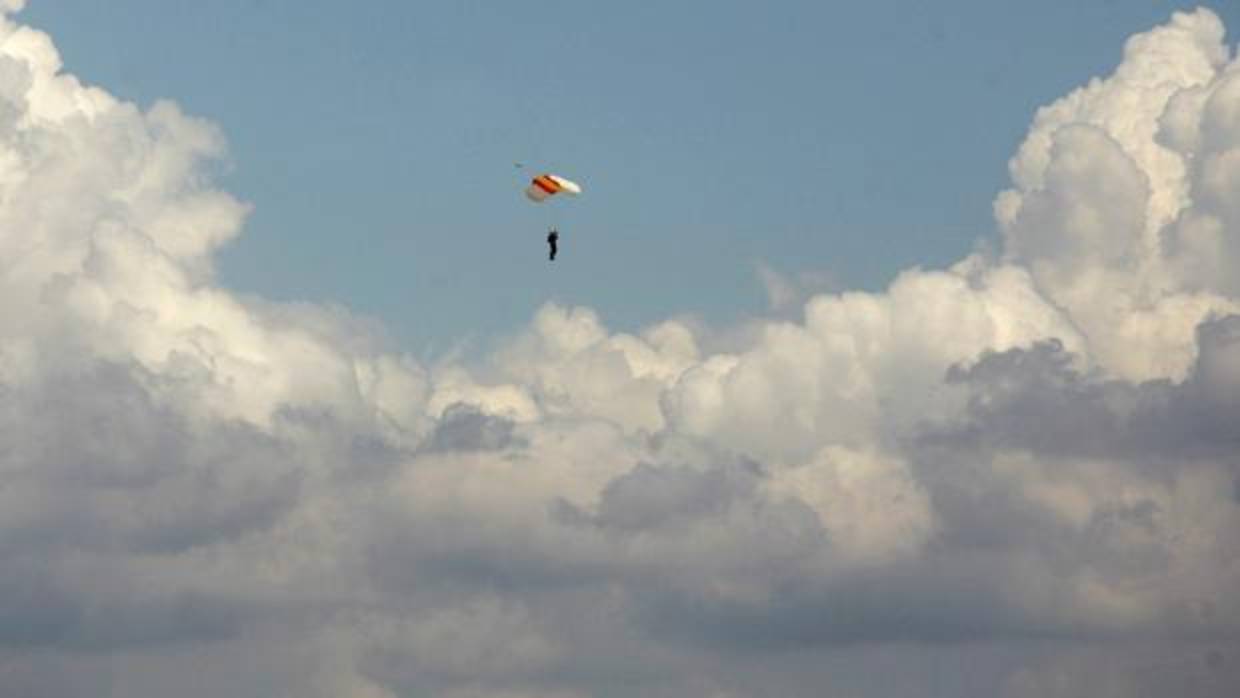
[
  {"x": 732, "y": 444},
  {"x": 837, "y": 143}
]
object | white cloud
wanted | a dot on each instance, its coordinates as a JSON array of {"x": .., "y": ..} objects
[
  {"x": 250, "y": 494},
  {"x": 1111, "y": 211},
  {"x": 870, "y": 505}
]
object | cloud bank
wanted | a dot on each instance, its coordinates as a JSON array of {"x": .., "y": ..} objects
[{"x": 1018, "y": 476}]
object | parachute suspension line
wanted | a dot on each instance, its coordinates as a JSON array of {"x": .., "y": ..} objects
[{"x": 547, "y": 186}]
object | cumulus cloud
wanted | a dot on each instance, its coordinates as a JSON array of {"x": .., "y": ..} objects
[
  {"x": 1116, "y": 205},
  {"x": 1002, "y": 465}
]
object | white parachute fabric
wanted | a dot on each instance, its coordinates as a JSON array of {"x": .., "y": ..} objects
[{"x": 545, "y": 186}]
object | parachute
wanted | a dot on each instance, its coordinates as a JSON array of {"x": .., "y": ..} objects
[{"x": 545, "y": 186}]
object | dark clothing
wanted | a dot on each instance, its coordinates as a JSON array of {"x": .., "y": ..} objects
[{"x": 552, "y": 238}]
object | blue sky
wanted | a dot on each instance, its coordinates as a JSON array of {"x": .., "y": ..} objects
[{"x": 376, "y": 140}]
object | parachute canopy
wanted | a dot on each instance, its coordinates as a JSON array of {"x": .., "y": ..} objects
[{"x": 545, "y": 186}]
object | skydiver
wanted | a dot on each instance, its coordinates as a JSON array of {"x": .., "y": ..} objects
[{"x": 552, "y": 238}]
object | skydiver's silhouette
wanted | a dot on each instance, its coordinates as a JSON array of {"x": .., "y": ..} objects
[{"x": 552, "y": 237}]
